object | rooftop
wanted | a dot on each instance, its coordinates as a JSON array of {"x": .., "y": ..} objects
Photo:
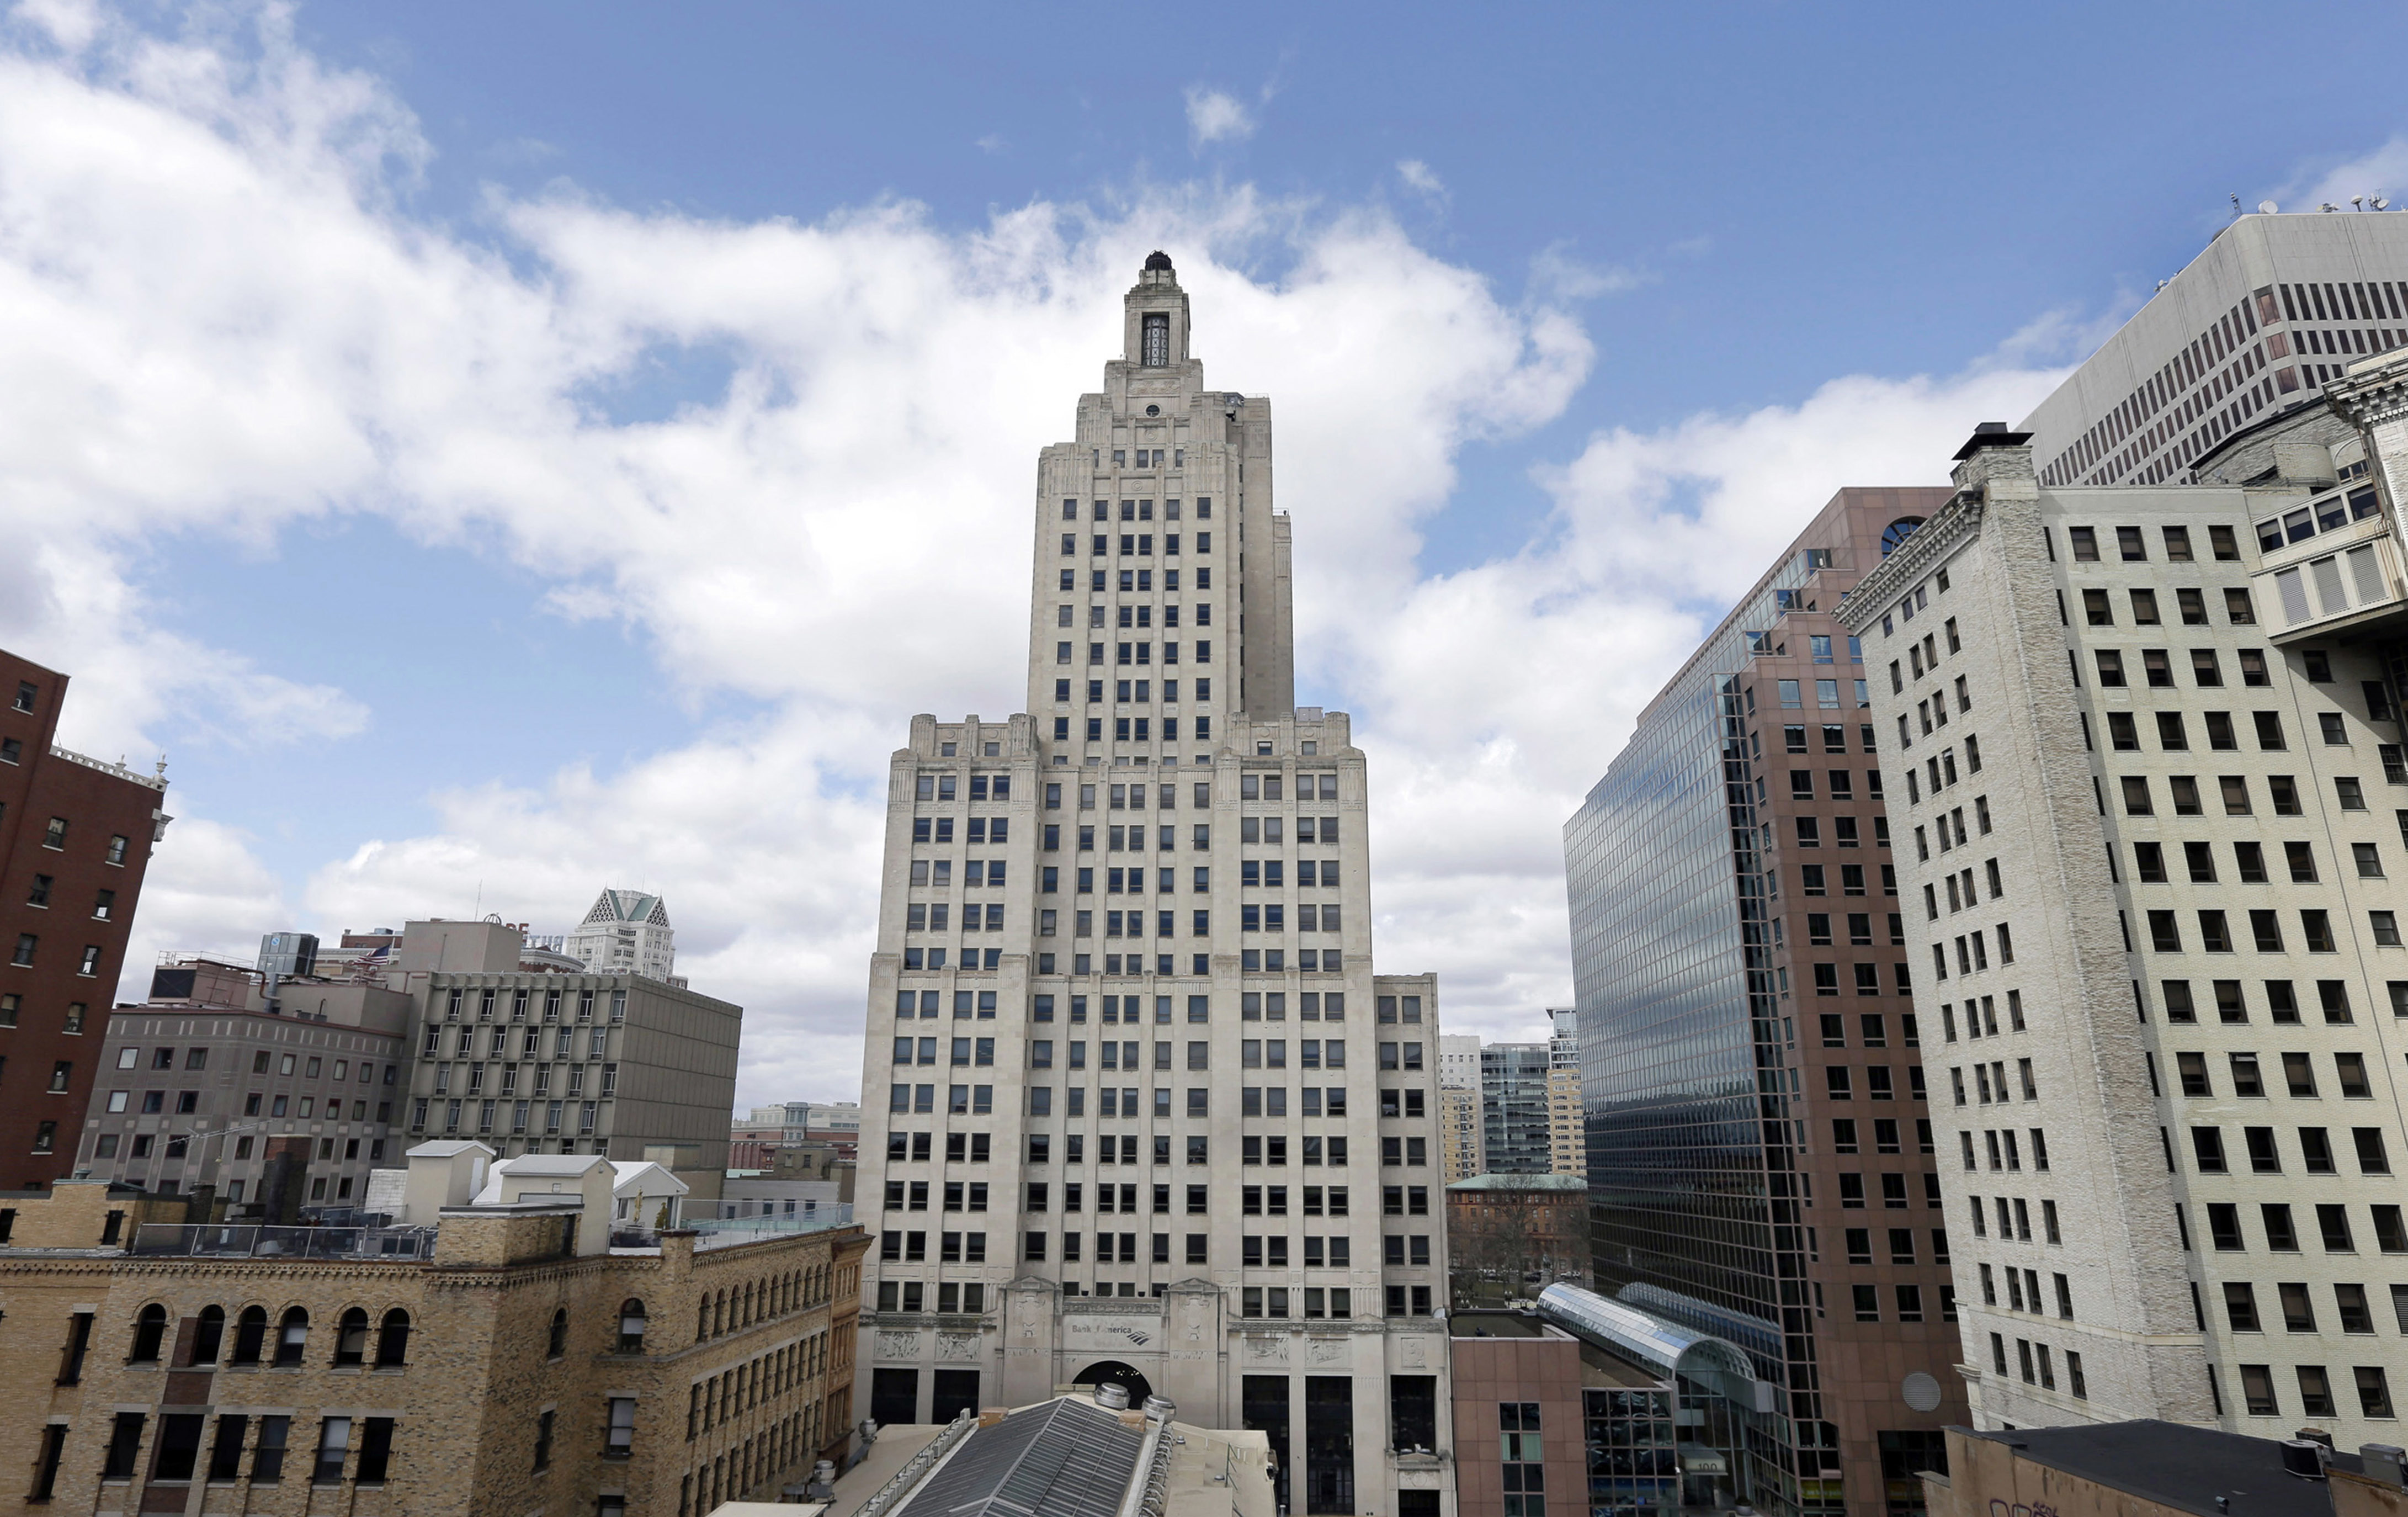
[
  {"x": 1521, "y": 1182},
  {"x": 1063, "y": 1457},
  {"x": 1599, "y": 1368},
  {"x": 2181, "y": 1467}
]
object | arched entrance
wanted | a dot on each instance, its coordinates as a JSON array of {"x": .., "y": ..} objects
[{"x": 1112, "y": 1372}]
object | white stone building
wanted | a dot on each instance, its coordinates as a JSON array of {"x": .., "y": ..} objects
[
  {"x": 1143, "y": 1111},
  {"x": 626, "y": 932},
  {"x": 1459, "y": 1061},
  {"x": 2248, "y": 338},
  {"x": 2147, "y": 823}
]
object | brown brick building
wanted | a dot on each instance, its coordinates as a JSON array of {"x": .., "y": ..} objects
[
  {"x": 519, "y": 1356},
  {"x": 75, "y": 838},
  {"x": 1502, "y": 1230}
]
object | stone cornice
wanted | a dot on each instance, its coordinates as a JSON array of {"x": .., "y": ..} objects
[
  {"x": 2369, "y": 397},
  {"x": 1957, "y": 522}
]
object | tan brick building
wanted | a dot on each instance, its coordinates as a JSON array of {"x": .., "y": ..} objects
[{"x": 517, "y": 1355}]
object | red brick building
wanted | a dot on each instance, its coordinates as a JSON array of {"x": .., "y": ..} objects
[{"x": 76, "y": 835}]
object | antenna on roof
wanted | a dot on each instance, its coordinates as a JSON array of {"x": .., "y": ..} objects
[{"x": 2236, "y": 206}]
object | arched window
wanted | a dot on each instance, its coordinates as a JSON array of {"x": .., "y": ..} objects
[
  {"x": 392, "y": 1340},
  {"x": 750, "y": 1299},
  {"x": 559, "y": 1344},
  {"x": 631, "y": 1326},
  {"x": 150, "y": 1330},
  {"x": 719, "y": 1314},
  {"x": 250, "y": 1336},
  {"x": 208, "y": 1333},
  {"x": 351, "y": 1339},
  {"x": 702, "y": 1320},
  {"x": 1897, "y": 532},
  {"x": 292, "y": 1336}
]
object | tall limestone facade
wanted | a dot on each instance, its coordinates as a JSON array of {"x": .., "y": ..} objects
[{"x": 1148, "y": 1114}]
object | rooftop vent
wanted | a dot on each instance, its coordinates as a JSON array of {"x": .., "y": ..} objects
[
  {"x": 1991, "y": 435},
  {"x": 2304, "y": 1458}
]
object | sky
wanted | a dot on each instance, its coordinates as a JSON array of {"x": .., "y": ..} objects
[{"x": 492, "y": 452}]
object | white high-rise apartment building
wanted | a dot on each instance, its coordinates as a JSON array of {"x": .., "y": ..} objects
[
  {"x": 1459, "y": 1061},
  {"x": 2149, "y": 810},
  {"x": 1148, "y": 1115},
  {"x": 626, "y": 932}
]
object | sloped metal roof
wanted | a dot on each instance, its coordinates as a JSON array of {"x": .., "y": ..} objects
[{"x": 1070, "y": 1459}]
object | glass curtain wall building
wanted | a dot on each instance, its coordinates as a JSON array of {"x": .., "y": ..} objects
[
  {"x": 1759, "y": 1167},
  {"x": 1513, "y": 1109}
]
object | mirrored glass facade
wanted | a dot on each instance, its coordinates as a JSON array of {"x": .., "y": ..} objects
[
  {"x": 1675, "y": 992},
  {"x": 1747, "y": 1045}
]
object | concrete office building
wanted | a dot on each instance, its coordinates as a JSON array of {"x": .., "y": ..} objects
[
  {"x": 2242, "y": 345},
  {"x": 206, "y": 1090},
  {"x": 1148, "y": 1115},
  {"x": 626, "y": 932},
  {"x": 226, "y": 1080},
  {"x": 508, "y": 1346},
  {"x": 1513, "y": 1136},
  {"x": 2151, "y": 801},
  {"x": 626, "y": 1065},
  {"x": 76, "y": 835},
  {"x": 1761, "y": 1160}
]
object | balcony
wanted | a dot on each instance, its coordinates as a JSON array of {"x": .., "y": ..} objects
[
  {"x": 2329, "y": 567},
  {"x": 223, "y": 1241}
]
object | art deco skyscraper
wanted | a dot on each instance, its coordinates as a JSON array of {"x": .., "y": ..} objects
[{"x": 1151, "y": 1117}]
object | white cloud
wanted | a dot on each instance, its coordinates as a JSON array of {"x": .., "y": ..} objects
[
  {"x": 2382, "y": 171},
  {"x": 1422, "y": 179},
  {"x": 1559, "y": 277},
  {"x": 521, "y": 152},
  {"x": 204, "y": 891},
  {"x": 1216, "y": 116},
  {"x": 69, "y": 25},
  {"x": 217, "y": 318}
]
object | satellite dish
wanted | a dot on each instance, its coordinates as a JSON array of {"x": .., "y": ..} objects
[{"x": 2267, "y": 207}]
